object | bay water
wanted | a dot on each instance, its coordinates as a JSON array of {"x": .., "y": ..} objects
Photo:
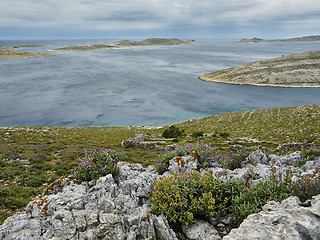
[{"x": 144, "y": 86}]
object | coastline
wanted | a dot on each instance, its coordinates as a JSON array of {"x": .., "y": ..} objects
[
  {"x": 25, "y": 55},
  {"x": 296, "y": 71},
  {"x": 203, "y": 78},
  {"x": 67, "y": 50}
]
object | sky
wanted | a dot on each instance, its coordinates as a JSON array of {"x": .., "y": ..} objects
[{"x": 139, "y": 19}]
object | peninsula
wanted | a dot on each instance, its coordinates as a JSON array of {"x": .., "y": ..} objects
[
  {"x": 154, "y": 41},
  {"x": 7, "y": 52},
  {"x": 298, "y": 70},
  {"x": 296, "y": 39}
]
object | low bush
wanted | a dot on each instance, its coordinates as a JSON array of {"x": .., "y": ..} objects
[
  {"x": 307, "y": 186},
  {"x": 197, "y": 134},
  {"x": 311, "y": 153},
  {"x": 183, "y": 197},
  {"x": 234, "y": 160},
  {"x": 172, "y": 132},
  {"x": 39, "y": 158},
  {"x": 30, "y": 179},
  {"x": 97, "y": 164},
  {"x": 205, "y": 154}
]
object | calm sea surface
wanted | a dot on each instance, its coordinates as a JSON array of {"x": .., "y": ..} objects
[{"x": 141, "y": 86}]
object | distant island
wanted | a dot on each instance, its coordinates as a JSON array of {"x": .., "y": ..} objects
[
  {"x": 125, "y": 44},
  {"x": 296, "y": 39},
  {"x": 298, "y": 70},
  {"x": 7, "y": 52},
  {"x": 154, "y": 41},
  {"x": 99, "y": 46}
]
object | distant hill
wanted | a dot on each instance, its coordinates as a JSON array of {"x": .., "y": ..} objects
[
  {"x": 298, "y": 70},
  {"x": 296, "y": 39},
  {"x": 153, "y": 41}
]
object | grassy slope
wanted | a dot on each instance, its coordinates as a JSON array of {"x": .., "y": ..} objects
[
  {"x": 277, "y": 125},
  {"x": 290, "y": 71},
  {"x": 60, "y": 148}
]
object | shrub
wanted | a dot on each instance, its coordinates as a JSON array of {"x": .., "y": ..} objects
[
  {"x": 30, "y": 179},
  {"x": 5, "y": 175},
  {"x": 181, "y": 197},
  {"x": 163, "y": 164},
  {"x": 197, "y": 134},
  {"x": 39, "y": 158},
  {"x": 311, "y": 153},
  {"x": 234, "y": 160},
  {"x": 172, "y": 132},
  {"x": 34, "y": 182},
  {"x": 307, "y": 186},
  {"x": 205, "y": 153},
  {"x": 224, "y": 134},
  {"x": 97, "y": 164},
  {"x": 253, "y": 198}
]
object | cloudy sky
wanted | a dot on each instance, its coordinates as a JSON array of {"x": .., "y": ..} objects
[{"x": 138, "y": 19}]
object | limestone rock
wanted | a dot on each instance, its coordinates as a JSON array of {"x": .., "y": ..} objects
[
  {"x": 201, "y": 230},
  {"x": 100, "y": 209},
  {"x": 285, "y": 220},
  {"x": 184, "y": 163}
]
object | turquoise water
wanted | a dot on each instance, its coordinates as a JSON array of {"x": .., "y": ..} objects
[{"x": 141, "y": 86}]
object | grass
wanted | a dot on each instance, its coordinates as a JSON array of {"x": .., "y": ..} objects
[{"x": 31, "y": 157}]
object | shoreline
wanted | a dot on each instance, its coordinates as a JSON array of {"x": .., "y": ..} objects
[
  {"x": 62, "y": 50},
  {"x": 202, "y": 78},
  {"x": 26, "y": 55}
]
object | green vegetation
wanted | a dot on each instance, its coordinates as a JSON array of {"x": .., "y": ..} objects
[
  {"x": 172, "y": 132},
  {"x": 97, "y": 164},
  {"x": 183, "y": 197},
  {"x": 154, "y": 41},
  {"x": 31, "y": 157},
  {"x": 187, "y": 196}
]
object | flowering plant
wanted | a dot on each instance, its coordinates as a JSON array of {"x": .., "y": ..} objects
[{"x": 97, "y": 164}]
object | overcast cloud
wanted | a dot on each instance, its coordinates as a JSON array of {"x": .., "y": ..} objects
[{"x": 159, "y": 18}]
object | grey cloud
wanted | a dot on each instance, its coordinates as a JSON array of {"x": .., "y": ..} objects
[{"x": 155, "y": 14}]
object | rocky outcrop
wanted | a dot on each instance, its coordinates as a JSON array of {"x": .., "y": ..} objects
[
  {"x": 286, "y": 220},
  {"x": 101, "y": 209},
  {"x": 294, "y": 146},
  {"x": 139, "y": 142},
  {"x": 120, "y": 210}
]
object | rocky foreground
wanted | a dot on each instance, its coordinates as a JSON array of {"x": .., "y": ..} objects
[{"x": 105, "y": 209}]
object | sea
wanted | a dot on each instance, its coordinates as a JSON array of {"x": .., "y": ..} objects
[{"x": 141, "y": 86}]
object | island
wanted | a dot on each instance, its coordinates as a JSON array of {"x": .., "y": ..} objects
[
  {"x": 296, "y": 39},
  {"x": 125, "y": 44},
  {"x": 7, "y": 52},
  {"x": 99, "y": 46},
  {"x": 154, "y": 41},
  {"x": 297, "y": 70}
]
